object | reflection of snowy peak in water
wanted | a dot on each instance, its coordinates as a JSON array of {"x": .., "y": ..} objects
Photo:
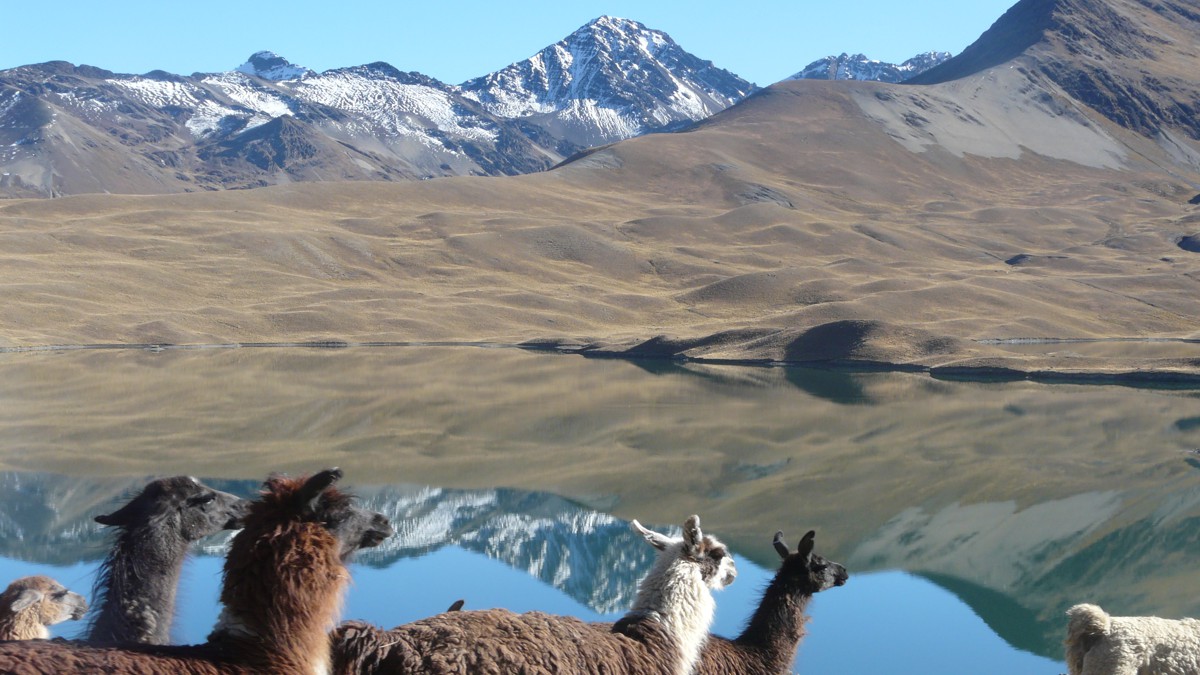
[{"x": 591, "y": 556}]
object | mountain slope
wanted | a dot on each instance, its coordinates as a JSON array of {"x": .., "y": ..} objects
[{"x": 1133, "y": 62}]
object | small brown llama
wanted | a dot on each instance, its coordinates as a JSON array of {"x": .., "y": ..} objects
[
  {"x": 30, "y": 605},
  {"x": 661, "y": 635},
  {"x": 768, "y": 644},
  {"x": 283, "y": 583},
  {"x": 134, "y": 592}
]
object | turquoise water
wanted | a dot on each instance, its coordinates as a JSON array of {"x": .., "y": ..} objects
[{"x": 970, "y": 515}]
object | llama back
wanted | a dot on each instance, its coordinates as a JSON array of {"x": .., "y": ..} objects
[
  {"x": 500, "y": 641},
  {"x": 722, "y": 655},
  {"x": 60, "y": 657}
]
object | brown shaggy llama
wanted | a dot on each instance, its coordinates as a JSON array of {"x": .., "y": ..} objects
[
  {"x": 768, "y": 644},
  {"x": 134, "y": 593},
  {"x": 30, "y": 605},
  {"x": 662, "y": 634},
  {"x": 283, "y": 583}
]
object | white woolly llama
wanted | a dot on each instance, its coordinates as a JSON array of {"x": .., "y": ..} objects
[
  {"x": 663, "y": 633},
  {"x": 1099, "y": 644}
]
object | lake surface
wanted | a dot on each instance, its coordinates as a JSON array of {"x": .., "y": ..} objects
[{"x": 969, "y": 515}]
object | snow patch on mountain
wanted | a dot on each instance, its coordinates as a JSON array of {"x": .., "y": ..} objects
[
  {"x": 390, "y": 106},
  {"x": 245, "y": 92},
  {"x": 157, "y": 93}
]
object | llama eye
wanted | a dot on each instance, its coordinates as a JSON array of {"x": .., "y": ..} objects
[{"x": 202, "y": 500}]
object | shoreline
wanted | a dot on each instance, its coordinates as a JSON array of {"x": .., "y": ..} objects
[{"x": 982, "y": 372}]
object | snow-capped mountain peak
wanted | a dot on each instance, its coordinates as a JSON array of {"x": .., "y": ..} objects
[
  {"x": 271, "y": 66},
  {"x": 859, "y": 67},
  {"x": 612, "y": 78}
]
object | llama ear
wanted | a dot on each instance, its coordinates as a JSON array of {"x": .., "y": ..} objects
[
  {"x": 805, "y": 548},
  {"x": 655, "y": 539},
  {"x": 315, "y": 485},
  {"x": 25, "y": 599},
  {"x": 119, "y": 517},
  {"x": 780, "y": 547},
  {"x": 692, "y": 536}
]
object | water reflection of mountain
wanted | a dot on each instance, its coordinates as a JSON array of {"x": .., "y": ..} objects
[
  {"x": 591, "y": 556},
  {"x": 1019, "y": 569}
]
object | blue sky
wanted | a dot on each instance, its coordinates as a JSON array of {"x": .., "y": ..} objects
[{"x": 457, "y": 40}]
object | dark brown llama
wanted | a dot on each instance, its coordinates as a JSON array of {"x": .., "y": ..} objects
[
  {"x": 30, "y": 605},
  {"x": 768, "y": 644},
  {"x": 283, "y": 583},
  {"x": 134, "y": 592}
]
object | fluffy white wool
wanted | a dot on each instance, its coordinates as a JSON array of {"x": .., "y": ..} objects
[
  {"x": 675, "y": 590},
  {"x": 1099, "y": 644}
]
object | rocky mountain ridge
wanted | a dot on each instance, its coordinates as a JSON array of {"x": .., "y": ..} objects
[
  {"x": 859, "y": 67},
  {"x": 68, "y": 129}
]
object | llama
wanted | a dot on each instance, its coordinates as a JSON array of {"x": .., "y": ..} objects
[
  {"x": 30, "y": 605},
  {"x": 663, "y": 632},
  {"x": 768, "y": 644},
  {"x": 135, "y": 589},
  {"x": 1099, "y": 644},
  {"x": 282, "y": 589}
]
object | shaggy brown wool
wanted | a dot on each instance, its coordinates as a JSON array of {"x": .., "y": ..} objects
[{"x": 496, "y": 642}]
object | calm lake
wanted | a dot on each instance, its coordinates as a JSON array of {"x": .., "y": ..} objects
[{"x": 970, "y": 515}]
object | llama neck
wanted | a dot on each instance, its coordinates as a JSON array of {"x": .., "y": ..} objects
[
  {"x": 137, "y": 584},
  {"x": 674, "y": 593},
  {"x": 22, "y": 625},
  {"x": 778, "y": 624},
  {"x": 282, "y": 599}
]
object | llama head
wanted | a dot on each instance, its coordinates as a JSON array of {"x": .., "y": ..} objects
[
  {"x": 712, "y": 559},
  {"x": 810, "y": 572},
  {"x": 316, "y": 500},
  {"x": 180, "y": 505},
  {"x": 287, "y": 565},
  {"x": 45, "y": 597}
]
